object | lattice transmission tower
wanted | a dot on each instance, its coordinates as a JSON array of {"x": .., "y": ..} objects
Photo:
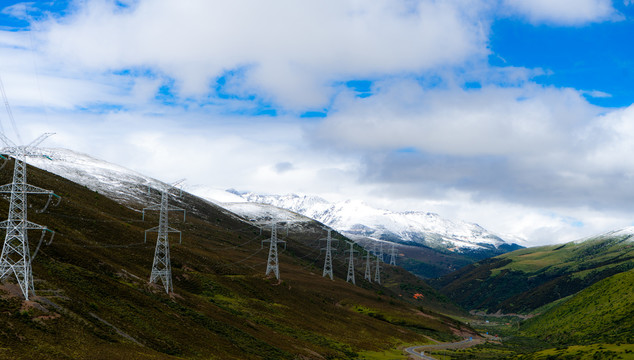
[
  {"x": 328, "y": 259},
  {"x": 378, "y": 251},
  {"x": 273, "y": 264},
  {"x": 350, "y": 276},
  {"x": 377, "y": 272},
  {"x": 392, "y": 254},
  {"x": 16, "y": 256},
  {"x": 161, "y": 266},
  {"x": 368, "y": 270}
]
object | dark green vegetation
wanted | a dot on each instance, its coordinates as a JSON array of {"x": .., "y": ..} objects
[
  {"x": 580, "y": 294},
  {"x": 431, "y": 263},
  {"x": 584, "y": 352},
  {"x": 602, "y": 313},
  {"x": 527, "y": 279},
  {"x": 93, "y": 300}
]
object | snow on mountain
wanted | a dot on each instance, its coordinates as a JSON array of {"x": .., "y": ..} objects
[
  {"x": 627, "y": 232},
  {"x": 215, "y": 195},
  {"x": 263, "y": 213},
  {"x": 126, "y": 185},
  {"x": 355, "y": 218},
  {"x": 112, "y": 180}
]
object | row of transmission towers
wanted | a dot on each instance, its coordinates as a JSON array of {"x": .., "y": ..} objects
[{"x": 272, "y": 264}]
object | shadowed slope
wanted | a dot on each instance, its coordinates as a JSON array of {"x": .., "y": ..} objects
[{"x": 94, "y": 301}]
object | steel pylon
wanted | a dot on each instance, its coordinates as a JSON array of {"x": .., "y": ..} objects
[
  {"x": 368, "y": 271},
  {"x": 16, "y": 256},
  {"x": 161, "y": 266},
  {"x": 328, "y": 259},
  {"x": 378, "y": 251},
  {"x": 393, "y": 255},
  {"x": 272, "y": 264},
  {"x": 377, "y": 272},
  {"x": 350, "y": 276}
]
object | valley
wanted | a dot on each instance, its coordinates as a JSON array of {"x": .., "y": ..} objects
[{"x": 93, "y": 299}]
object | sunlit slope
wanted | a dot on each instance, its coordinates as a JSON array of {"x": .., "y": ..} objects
[
  {"x": 526, "y": 279},
  {"x": 602, "y": 313},
  {"x": 93, "y": 300}
]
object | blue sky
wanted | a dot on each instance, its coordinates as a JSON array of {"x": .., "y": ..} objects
[
  {"x": 513, "y": 114},
  {"x": 594, "y": 57}
]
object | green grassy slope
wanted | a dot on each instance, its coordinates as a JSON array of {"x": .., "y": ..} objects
[
  {"x": 524, "y": 280},
  {"x": 93, "y": 300},
  {"x": 602, "y": 313}
]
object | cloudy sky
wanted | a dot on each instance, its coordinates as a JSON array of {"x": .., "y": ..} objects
[{"x": 513, "y": 114}]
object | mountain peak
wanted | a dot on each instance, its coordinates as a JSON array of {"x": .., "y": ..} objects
[{"x": 356, "y": 218}]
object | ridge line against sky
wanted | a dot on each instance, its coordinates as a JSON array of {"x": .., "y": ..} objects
[{"x": 511, "y": 114}]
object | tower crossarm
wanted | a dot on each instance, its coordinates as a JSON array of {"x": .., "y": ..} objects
[
  {"x": 169, "y": 230},
  {"x": 278, "y": 241},
  {"x": 351, "y": 247},
  {"x": 176, "y": 208},
  {"x": 28, "y": 188},
  {"x": 37, "y": 141},
  {"x": 157, "y": 207},
  {"x": 27, "y": 225}
]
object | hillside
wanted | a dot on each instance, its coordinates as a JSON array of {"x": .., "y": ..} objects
[
  {"x": 93, "y": 300},
  {"x": 524, "y": 280},
  {"x": 602, "y": 313}
]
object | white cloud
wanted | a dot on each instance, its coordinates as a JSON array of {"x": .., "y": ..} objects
[
  {"x": 292, "y": 50},
  {"x": 540, "y": 162},
  {"x": 489, "y": 121},
  {"x": 563, "y": 12}
]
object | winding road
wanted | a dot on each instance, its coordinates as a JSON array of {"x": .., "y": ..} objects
[{"x": 421, "y": 353}]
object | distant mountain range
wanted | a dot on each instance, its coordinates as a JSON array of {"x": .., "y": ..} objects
[
  {"x": 430, "y": 245},
  {"x": 357, "y": 219}
]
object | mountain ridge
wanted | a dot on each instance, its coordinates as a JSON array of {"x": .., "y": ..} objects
[
  {"x": 356, "y": 217},
  {"x": 526, "y": 279},
  {"x": 429, "y": 245}
]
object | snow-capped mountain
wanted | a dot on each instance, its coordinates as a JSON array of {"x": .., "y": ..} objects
[
  {"x": 357, "y": 219},
  {"x": 353, "y": 218}
]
